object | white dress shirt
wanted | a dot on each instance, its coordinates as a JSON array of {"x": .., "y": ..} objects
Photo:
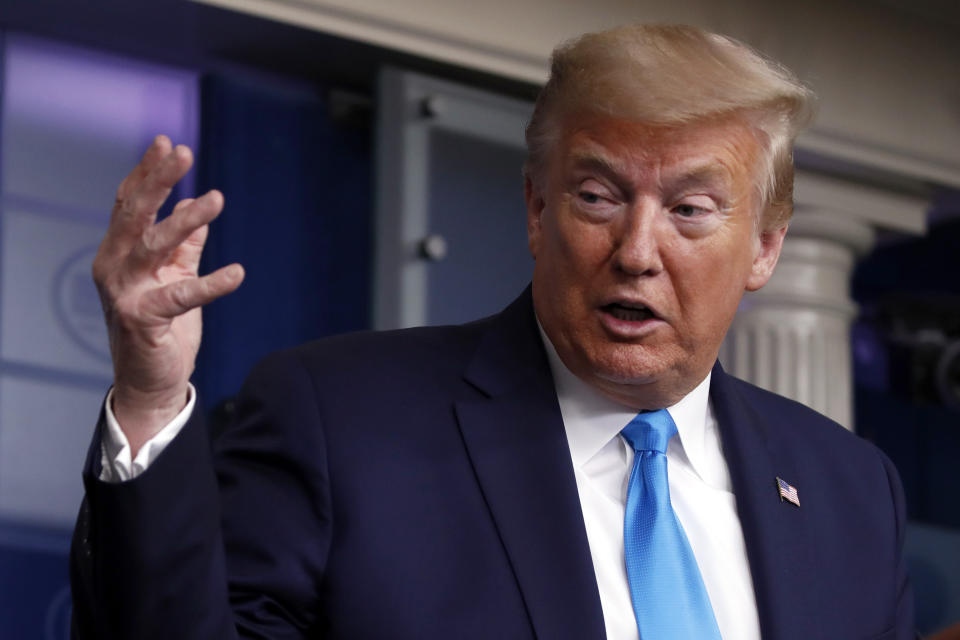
[
  {"x": 700, "y": 491},
  {"x": 116, "y": 462},
  {"x": 699, "y": 480}
]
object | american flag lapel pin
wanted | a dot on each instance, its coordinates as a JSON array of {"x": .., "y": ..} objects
[{"x": 788, "y": 492}]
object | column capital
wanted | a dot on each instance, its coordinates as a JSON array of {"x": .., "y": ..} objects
[
  {"x": 814, "y": 269},
  {"x": 847, "y": 231},
  {"x": 876, "y": 206}
]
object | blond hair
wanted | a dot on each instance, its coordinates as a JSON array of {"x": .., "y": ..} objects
[{"x": 673, "y": 75}]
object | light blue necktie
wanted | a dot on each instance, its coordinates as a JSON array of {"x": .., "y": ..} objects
[{"x": 669, "y": 599}]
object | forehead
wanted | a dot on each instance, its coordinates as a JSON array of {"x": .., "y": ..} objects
[{"x": 711, "y": 151}]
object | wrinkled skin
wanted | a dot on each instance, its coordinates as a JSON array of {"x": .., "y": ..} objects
[
  {"x": 146, "y": 274},
  {"x": 627, "y": 216}
]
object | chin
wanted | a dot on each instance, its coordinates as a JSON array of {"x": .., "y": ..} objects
[{"x": 634, "y": 365}]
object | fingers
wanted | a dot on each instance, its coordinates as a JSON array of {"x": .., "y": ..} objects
[
  {"x": 179, "y": 297},
  {"x": 187, "y": 255},
  {"x": 158, "y": 149},
  {"x": 138, "y": 201},
  {"x": 181, "y": 228},
  {"x": 147, "y": 272}
]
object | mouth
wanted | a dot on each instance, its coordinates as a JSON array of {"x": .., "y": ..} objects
[{"x": 629, "y": 311}]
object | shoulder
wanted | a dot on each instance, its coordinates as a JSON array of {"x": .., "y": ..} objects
[
  {"x": 814, "y": 440},
  {"x": 296, "y": 401},
  {"x": 422, "y": 357},
  {"x": 791, "y": 419}
]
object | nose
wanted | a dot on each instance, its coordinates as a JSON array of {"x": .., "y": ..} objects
[{"x": 637, "y": 249}]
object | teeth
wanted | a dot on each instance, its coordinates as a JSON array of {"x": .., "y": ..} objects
[{"x": 629, "y": 314}]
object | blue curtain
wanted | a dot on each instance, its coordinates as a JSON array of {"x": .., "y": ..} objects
[
  {"x": 298, "y": 217},
  {"x": 896, "y": 403},
  {"x": 913, "y": 284}
]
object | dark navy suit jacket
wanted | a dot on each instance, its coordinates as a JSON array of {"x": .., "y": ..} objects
[{"x": 418, "y": 484}]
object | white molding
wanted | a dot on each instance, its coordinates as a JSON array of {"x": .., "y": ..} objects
[
  {"x": 892, "y": 161},
  {"x": 879, "y": 207},
  {"x": 356, "y": 25}
]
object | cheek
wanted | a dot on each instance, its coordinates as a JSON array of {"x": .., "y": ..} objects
[
  {"x": 574, "y": 248},
  {"x": 710, "y": 282}
]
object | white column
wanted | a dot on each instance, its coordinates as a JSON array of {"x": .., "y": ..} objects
[{"x": 793, "y": 336}]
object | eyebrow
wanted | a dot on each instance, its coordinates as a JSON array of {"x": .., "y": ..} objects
[
  {"x": 712, "y": 174},
  {"x": 599, "y": 163}
]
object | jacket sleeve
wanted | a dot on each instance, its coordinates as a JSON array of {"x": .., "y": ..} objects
[
  {"x": 210, "y": 542},
  {"x": 904, "y": 603}
]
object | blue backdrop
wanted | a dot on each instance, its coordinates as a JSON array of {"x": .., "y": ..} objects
[{"x": 298, "y": 217}]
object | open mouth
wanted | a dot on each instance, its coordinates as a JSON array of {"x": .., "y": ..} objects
[{"x": 629, "y": 312}]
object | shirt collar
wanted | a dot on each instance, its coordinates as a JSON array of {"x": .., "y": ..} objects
[{"x": 592, "y": 420}]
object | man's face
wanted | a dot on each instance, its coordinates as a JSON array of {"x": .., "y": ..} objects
[{"x": 645, "y": 240}]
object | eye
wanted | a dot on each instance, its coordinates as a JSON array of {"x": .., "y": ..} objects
[
  {"x": 593, "y": 193},
  {"x": 589, "y": 197},
  {"x": 687, "y": 210},
  {"x": 694, "y": 206}
]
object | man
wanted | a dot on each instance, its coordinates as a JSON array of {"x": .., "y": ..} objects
[{"x": 472, "y": 481}]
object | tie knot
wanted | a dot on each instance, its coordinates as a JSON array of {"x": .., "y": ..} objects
[{"x": 650, "y": 431}]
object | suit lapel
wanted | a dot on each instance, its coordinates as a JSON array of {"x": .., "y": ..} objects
[
  {"x": 776, "y": 533},
  {"x": 518, "y": 448}
]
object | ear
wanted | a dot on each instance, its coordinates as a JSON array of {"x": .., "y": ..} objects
[
  {"x": 768, "y": 252},
  {"x": 533, "y": 196}
]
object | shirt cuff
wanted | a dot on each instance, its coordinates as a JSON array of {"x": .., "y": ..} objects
[{"x": 115, "y": 462}]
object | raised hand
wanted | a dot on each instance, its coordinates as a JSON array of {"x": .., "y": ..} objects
[{"x": 146, "y": 273}]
